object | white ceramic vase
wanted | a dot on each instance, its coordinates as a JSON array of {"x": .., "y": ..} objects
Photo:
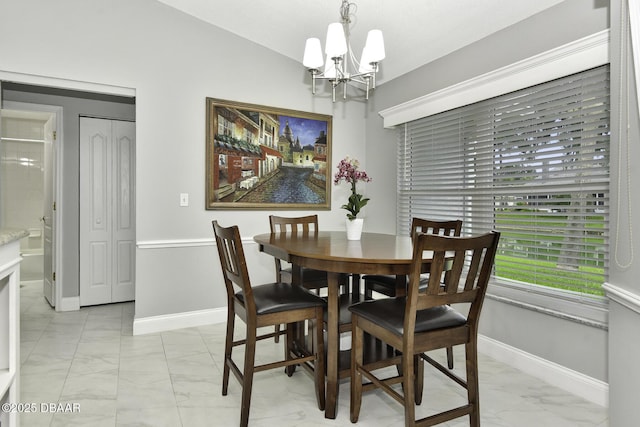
[{"x": 354, "y": 228}]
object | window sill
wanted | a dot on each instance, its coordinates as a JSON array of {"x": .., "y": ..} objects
[{"x": 584, "y": 309}]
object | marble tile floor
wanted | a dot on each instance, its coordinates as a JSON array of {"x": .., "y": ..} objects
[{"x": 89, "y": 360}]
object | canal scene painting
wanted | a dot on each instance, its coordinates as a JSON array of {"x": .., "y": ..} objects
[{"x": 261, "y": 157}]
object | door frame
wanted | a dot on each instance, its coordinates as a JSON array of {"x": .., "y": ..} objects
[
  {"x": 57, "y": 187},
  {"x": 69, "y": 303}
]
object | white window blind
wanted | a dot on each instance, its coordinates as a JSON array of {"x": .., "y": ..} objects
[{"x": 532, "y": 164}]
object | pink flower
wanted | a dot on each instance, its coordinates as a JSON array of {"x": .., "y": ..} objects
[{"x": 348, "y": 172}]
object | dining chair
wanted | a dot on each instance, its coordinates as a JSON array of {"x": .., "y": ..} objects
[
  {"x": 310, "y": 278},
  {"x": 265, "y": 305},
  {"x": 304, "y": 225},
  {"x": 386, "y": 285},
  {"x": 424, "y": 320},
  {"x": 315, "y": 279}
]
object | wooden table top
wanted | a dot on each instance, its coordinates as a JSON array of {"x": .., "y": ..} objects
[
  {"x": 330, "y": 251},
  {"x": 333, "y": 246}
]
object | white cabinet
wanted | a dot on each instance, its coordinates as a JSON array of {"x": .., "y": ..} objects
[{"x": 10, "y": 322}]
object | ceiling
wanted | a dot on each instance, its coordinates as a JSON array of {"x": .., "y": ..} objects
[{"x": 415, "y": 31}]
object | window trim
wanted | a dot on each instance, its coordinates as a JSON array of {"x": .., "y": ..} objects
[
  {"x": 580, "y": 55},
  {"x": 587, "y": 52}
]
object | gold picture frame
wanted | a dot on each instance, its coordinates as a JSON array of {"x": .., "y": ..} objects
[{"x": 261, "y": 157}]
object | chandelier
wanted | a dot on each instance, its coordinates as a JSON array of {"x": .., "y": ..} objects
[{"x": 341, "y": 67}]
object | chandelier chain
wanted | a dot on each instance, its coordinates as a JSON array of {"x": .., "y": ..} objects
[{"x": 345, "y": 13}]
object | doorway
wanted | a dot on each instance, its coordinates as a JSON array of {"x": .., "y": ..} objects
[
  {"x": 27, "y": 186},
  {"x": 75, "y": 100}
]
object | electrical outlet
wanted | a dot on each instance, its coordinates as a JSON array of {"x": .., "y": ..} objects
[{"x": 184, "y": 199}]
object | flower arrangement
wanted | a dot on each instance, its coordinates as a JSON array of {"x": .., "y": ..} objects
[{"x": 348, "y": 172}]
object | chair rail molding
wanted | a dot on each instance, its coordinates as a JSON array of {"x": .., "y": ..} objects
[
  {"x": 623, "y": 297},
  {"x": 579, "y": 55},
  {"x": 175, "y": 243},
  {"x": 183, "y": 243}
]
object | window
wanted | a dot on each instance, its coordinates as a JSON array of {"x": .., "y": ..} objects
[
  {"x": 225, "y": 126},
  {"x": 533, "y": 164}
]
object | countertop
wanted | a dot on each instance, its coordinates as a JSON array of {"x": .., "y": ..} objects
[{"x": 8, "y": 235}]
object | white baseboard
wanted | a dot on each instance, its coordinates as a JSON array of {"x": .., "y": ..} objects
[
  {"x": 31, "y": 282},
  {"x": 153, "y": 324},
  {"x": 589, "y": 388},
  {"x": 69, "y": 304}
]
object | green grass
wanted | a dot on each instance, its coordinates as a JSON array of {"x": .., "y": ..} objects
[
  {"x": 584, "y": 279},
  {"x": 522, "y": 258}
]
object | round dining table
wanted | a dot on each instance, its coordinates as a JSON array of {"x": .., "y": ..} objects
[{"x": 330, "y": 251}]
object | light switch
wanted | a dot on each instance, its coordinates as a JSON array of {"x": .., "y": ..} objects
[{"x": 184, "y": 199}]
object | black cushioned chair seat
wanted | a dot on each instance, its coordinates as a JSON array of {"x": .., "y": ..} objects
[
  {"x": 276, "y": 297},
  {"x": 389, "y": 313}
]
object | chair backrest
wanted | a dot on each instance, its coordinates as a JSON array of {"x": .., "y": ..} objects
[
  {"x": 233, "y": 263},
  {"x": 463, "y": 264},
  {"x": 301, "y": 224},
  {"x": 442, "y": 228}
]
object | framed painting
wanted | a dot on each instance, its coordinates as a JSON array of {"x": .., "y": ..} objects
[{"x": 261, "y": 157}]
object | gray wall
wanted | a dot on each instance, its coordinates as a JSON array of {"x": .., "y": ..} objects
[
  {"x": 624, "y": 308},
  {"x": 579, "y": 347},
  {"x": 74, "y": 104},
  {"x": 171, "y": 62}
]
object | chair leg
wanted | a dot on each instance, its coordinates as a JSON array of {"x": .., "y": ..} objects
[
  {"x": 357, "y": 337},
  {"x": 418, "y": 368},
  {"x": 318, "y": 347},
  {"x": 473, "y": 393},
  {"x": 249, "y": 364},
  {"x": 277, "y": 331},
  {"x": 368, "y": 293},
  {"x": 355, "y": 286},
  {"x": 289, "y": 348},
  {"x": 408, "y": 379},
  {"x": 228, "y": 347},
  {"x": 450, "y": 357}
]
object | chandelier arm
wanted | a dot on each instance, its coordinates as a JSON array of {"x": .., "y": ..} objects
[{"x": 354, "y": 78}]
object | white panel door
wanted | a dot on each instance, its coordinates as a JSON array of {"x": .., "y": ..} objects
[
  {"x": 124, "y": 233},
  {"x": 107, "y": 226},
  {"x": 48, "y": 218}
]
